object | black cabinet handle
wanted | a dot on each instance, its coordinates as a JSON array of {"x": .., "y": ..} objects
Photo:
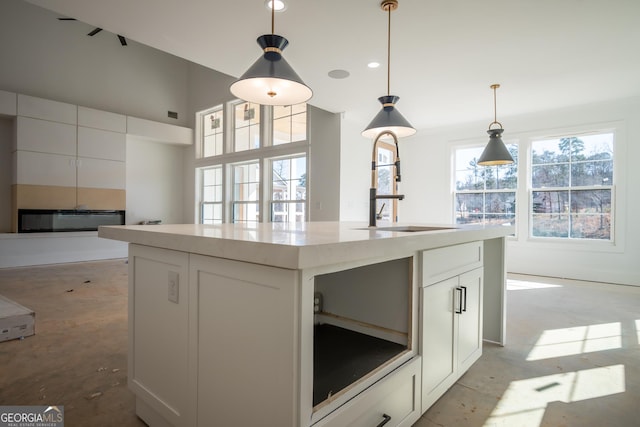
[
  {"x": 386, "y": 419},
  {"x": 459, "y": 309},
  {"x": 464, "y": 288}
]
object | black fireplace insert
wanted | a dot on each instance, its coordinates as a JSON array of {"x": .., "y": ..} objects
[{"x": 60, "y": 220}]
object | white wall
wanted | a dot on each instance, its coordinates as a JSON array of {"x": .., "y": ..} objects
[
  {"x": 155, "y": 181},
  {"x": 48, "y": 58},
  {"x": 427, "y": 184},
  {"x": 324, "y": 165}
]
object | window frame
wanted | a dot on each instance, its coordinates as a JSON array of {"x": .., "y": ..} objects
[
  {"x": 263, "y": 154},
  {"x": 484, "y": 191},
  {"x": 577, "y": 133}
]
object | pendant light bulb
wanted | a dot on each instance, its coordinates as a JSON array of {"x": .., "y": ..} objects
[
  {"x": 271, "y": 80},
  {"x": 495, "y": 153},
  {"x": 389, "y": 118}
]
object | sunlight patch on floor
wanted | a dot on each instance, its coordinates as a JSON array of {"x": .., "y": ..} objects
[
  {"x": 577, "y": 340},
  {"x": 524, "y": 402},
  {"x": 521, "y": 285}
]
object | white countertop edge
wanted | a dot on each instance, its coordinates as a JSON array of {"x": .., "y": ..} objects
[{"x": 302, "y": 246}]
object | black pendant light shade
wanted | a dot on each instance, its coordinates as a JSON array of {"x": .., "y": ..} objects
[
  {"x": 389, "y": 119},
  {"x": 495, "y": 153},
  {"x": 271, "y": 80}
]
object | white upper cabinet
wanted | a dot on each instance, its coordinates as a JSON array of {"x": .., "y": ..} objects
[
  {"x": 46, "y": 109},
  {"x": 101, "y": 144},
  {"x": 8, "y": 103},
  {"x": 44, "y": 136},
  {"x": 97, "y": 119},
  {"x": 99, "y": 173},
  {"x": 44, "y": 169}
]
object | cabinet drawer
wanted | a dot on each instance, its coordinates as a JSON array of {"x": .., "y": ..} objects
[
  {"x": 443, "y": 263},
  {"x": 396, "y": 396}
]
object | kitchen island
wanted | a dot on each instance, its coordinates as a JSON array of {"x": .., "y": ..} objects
[{"x": 308, "y": 324}]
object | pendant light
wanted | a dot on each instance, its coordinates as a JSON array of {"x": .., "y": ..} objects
[
  {"x": 389, "y": 118},
  {"x": 271, "y": 80},
  {"x": 495, "y": 153}
]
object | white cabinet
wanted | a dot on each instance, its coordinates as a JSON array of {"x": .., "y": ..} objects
[
  {"x": 244, "y": 342},
  {"x": 46, "y": 109},
  {"x": 101, "y": 144},
  {"x": 45, "y": 136},
  {"x": 450, "y": 317},
  {"x": 394, "y": 401},
  {"x": 158, "y": 342},
  {"x": 44, "y": 169}
]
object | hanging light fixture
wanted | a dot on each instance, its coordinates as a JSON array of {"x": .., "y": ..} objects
[
  {"x": 495, "y": 153},
  {"x": 271, "y": 80},
  {"x": 389, "y": 118}
]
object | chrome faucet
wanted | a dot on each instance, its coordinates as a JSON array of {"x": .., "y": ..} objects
[{"x": 373, "y": 196}]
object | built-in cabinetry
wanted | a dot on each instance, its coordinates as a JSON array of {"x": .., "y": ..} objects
[
  {"x": 304, "y": 325},
  {"x": 250, "y": 344},
  {"x": 67, "y": 157},
  {"x": 451, "y": 316}
]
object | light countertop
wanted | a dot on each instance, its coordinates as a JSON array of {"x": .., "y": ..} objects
[{"x": 299, "y": 245}]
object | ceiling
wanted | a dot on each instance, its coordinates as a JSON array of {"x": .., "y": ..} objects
[{"x": 445, "y": 54}]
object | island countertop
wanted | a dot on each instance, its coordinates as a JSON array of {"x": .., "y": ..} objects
[{"x": 298, "y": 245}]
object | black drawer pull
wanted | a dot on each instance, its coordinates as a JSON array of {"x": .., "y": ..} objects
[
  {"x": 386, "y": 419},
  {"x": 464, "y": 289}
]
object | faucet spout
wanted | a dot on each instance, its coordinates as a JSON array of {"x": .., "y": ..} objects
[{"x": 373, "y": 196}]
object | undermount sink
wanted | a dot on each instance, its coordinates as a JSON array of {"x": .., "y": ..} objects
[{"x": 408, "y": 228}]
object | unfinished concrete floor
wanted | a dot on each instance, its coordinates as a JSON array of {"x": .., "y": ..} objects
[{"x": 581, "y": 340}]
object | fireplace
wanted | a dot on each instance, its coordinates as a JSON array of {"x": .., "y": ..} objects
[{"x": 61, "y": 220}]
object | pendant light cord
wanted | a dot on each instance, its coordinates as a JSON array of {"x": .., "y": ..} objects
[
  {"x": 495, "y": 107},
  {"x": 273, "y": 17},
  {"x": 389, "y": 52}
]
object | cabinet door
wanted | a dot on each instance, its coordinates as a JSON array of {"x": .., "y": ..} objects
[
  {"x": 470, "y": 320},
  {"x": 45, "y": 169},
  {"x": 437, "y": 346},
  {"x": 244, "y": 340},
  {"x": 98, "y": 173}
]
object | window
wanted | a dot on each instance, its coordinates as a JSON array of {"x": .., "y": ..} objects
[
  {"x": 289, "y": 124},
  {"x": 211, "y": 197},
  {"x": 485, "y": 194},
  {"x": 246, "y": 125},
  {"x": 572, "y": 186},
  {"x": 252, "y": 163},
  {"x": 246, "y": 192},
  {"x": 213, "y": 132},
  {"x": 289, "y": 189}
]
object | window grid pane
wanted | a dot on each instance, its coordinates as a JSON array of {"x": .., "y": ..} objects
[
  {"x": 211, "y": 196},
  {"x": 289, "y": 123},
  {"x": 572, "y": 186},
  {"x": 246, "y": 126},
  {"x": 246, "y": 192},
  {"x": 289, "y": 189},
  {"x": 213, "y": 133}
]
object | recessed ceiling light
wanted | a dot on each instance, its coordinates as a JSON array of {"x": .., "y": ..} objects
[
  {"x": 279, "y": 5},
  {"x": 339, "y": 74},
  {"x": 373, "y": 64}
]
